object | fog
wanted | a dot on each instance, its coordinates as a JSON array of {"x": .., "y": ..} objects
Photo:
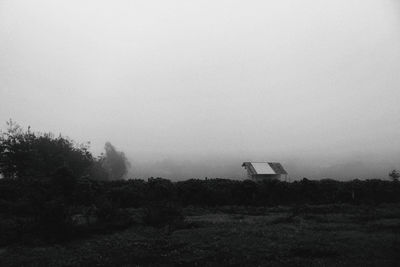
[{"x": 191, "y": 89}]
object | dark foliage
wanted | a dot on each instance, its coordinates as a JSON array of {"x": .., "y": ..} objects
[
  {"x": 394, "y": 175},
  {"x": 24, "y": 153},
  {"x": 160, "y": 214},
  {"x": 214, "y": 192},
  {"x": 45, "y": 207}
]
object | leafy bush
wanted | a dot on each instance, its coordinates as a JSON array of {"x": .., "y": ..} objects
[
  {"x": 54, "y": 222},
  {"x": 25, "y": 153},
  {"x": 161, "y": 214}
]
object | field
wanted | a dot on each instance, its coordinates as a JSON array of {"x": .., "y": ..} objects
[{"x": 324, "y": 235}]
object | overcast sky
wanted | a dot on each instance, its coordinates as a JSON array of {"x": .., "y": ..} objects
[{"x": 194, "y": 88}]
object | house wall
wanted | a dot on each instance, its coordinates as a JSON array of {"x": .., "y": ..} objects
[{"x": 249, "y": 174}]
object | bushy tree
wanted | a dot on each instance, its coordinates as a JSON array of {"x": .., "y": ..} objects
[
  {"x": 115, "y": 162},
  {"x": 25, "y": 153},
  {"x": 394, "y": 175}
]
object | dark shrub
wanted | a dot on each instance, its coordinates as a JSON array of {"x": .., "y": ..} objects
[
  {"x": 160, "y": 214},
  {"x": 105, "y": 210},
  {"x": 25, "y": 153},
  {"x": 54, "y": 221}
]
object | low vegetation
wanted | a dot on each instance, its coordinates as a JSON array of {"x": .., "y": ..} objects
[
  {"x": 60, "y": 206},
  {"x": 322, "y": 235}
]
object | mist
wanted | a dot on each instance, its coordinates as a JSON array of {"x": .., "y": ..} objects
[{"x": 190, "y": 89}]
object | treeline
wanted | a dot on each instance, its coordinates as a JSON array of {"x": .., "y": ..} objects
[
  {"x": 20, "y": 195},
  {"x": 137, "y": 193},
  {"x": 24, "y": 153},
  {"x": 49, "y": 205}
]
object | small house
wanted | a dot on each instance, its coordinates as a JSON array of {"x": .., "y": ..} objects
[{"x": 264, "y": 170}]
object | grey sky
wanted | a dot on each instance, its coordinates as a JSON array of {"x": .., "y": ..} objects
[{"x": 193, "y": 88}]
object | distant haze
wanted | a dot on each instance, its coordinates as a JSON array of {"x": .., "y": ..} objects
[{"x": 194, "y": 88}]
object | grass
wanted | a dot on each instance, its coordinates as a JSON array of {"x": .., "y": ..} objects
[{"x": 329, "y": 235}]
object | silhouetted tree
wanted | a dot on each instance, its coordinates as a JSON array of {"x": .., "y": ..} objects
[
  {"x": 98, "y": 171},
  {"x": 114, "y": 162},
  {"x": 24, "y": 153},
  {"x": 395, "y": 175}
]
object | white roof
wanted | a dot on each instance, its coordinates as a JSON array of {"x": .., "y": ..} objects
[{"x": 263, "y": 168}]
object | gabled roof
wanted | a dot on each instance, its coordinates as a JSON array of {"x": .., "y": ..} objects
[{"x": 265, "y": 168}]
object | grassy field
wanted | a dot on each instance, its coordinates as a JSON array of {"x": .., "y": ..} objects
[{"x": 332, "y": 235}]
